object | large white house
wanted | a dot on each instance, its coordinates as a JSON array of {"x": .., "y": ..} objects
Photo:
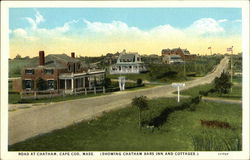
[
  {"x": 128, "y": 63},
  {"x": 172, "y": 59}
]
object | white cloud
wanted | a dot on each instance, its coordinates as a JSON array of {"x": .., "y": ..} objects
[
  {"x": 238, "y": 21},
  {"x": 117, "y": 30},
  {"x": 222, "y": 20},
  {"x": 115, "y": 27},
  {"x": 36, "y": 21},
  {"x": 19, "y": 32},
  {"x": 166, "y": 30},
  {"x": 206, "y": 26}
]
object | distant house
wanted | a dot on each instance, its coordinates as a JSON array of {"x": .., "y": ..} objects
[
  {"x": 183, "y": 53},
  {"x": 172, "y": 59},
  {"x": 128, "y": 63},
  {"x": 61, "y": 73}
]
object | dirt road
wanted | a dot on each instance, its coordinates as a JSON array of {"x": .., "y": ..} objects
[{"x": 26, "y": 123}]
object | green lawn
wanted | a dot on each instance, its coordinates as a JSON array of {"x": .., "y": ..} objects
[
  {"x": 15, "y": 98},
  {"x": 143, "y": 76},
  {"x": 146, "y": 77},
  {"x": 119, "y": 131},
  {"x": 235, "y": 94}
]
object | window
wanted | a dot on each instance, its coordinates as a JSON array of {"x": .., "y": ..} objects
[
  {"x": 51, "y": 84},
  {"x": 28, "y": 84},
  {"x": 29, "y": 71},
  {"x": 48, "y": 71},
  {"x": 138, "y": 59},
  {"x": 78, "y": 66},
  {"x": 69, "y": 68}
]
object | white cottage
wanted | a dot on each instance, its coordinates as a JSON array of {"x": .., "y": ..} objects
[{"x": 128, "y": 63}]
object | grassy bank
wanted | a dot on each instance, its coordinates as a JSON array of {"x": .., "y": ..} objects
[
  {"x": 16, "y": 98},
  {"x": 118, "y": 130},
  {"x": 235, "y": 94}
]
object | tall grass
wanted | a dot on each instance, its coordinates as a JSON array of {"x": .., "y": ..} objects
[{"x": 210, "y": 141}]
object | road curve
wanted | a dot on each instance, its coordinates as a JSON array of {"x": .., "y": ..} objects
[{"x": 26, "y": 123}]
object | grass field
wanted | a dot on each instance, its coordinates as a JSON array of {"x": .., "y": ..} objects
[
  {"x": 15, "y": 98},
  {"x": 134, "y": 77},
  {"x": 235, "y": 94},
  {"x": 119, "y": 131}
]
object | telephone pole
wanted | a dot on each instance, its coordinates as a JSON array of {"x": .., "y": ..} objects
[{"x": 231, "y": 49}]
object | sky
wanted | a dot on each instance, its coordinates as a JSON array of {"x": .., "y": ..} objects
[{"x": 97, "y": 31}]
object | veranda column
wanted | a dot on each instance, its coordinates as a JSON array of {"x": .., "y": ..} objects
[
  {"x": 72, "y": 84},
  {"x": 84, "y": 82},
  {"x": 65, "y": 86},
  {"x": 89, "y": 81}
]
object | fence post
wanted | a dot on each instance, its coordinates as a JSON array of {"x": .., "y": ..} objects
[
  {"x": 85, "y": 91},
  {"x": 34, "y": 94},
  {"x": 21, "y": 95},
  {"x": 103, "y": 89},
  {"x": 95, "y": 90}
]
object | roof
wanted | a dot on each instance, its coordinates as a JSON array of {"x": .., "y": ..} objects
[
  {"x": 185, "y": 51},
  {"x": 127, "y": 56},
  {"x": 61, "y": 57},
  {"x": 58, "y": 61}
]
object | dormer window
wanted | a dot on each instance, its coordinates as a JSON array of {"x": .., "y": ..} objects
[
  {"x": 78, "y": 66},
  {"x": 48, "y": 71},
  {"x": 69, "y": 67},
  {"x": 29, "y": 71}
]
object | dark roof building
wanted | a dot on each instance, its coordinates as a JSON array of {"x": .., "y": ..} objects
[
  {"x": 60, "y": 72},
  {"x": 184, "y": 53}
]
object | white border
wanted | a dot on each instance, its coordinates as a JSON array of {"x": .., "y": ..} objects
[{"x": 5, "y": 5}]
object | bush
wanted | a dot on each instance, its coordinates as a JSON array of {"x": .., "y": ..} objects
[
  {"x": 222, "y": 83},
  {"x": 107, "y": 82},
  {"x": 139, "y": 81},
  {"x": 196, "y": 100}
]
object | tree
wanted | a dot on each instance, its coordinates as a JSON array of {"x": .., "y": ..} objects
[
  {"x": 222, "y": 83},
  {"x": 142, "y": 104},
  {"x": 18, "y": 56}
]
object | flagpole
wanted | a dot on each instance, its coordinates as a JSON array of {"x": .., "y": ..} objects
[{"x": 232, "y": 69}]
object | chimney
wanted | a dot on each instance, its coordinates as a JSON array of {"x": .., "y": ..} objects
[
  {"x": 73, "y": 54},
  {"x": 41, "y": 58}
]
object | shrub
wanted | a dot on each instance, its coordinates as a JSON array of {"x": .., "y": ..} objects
[
  {"x": 196, "y": 100},
  {"x": 139, "y": 81},
  {"x": 222, "y": 83},
  {"x": 107, "y": 82}
]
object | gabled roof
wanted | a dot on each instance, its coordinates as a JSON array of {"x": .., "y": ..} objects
[
  {"x": 127, "y": 56},
  {"x": 61, "y": 57},
  {"x": 58, "y": 61},
  {"x": 185, "y": 51}
]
